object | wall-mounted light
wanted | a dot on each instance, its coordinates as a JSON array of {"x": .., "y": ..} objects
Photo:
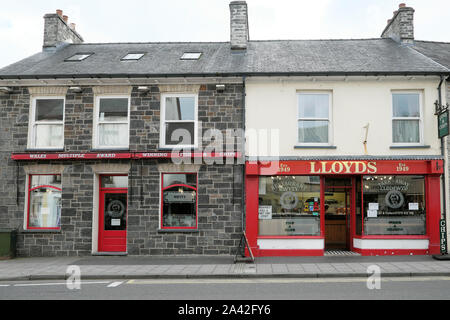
[
  {"x": 220, "y": 87},
  {"x": 6, "y": 89},
  {"x": 143, "y": 89},
  {"x": 76, "y": 89}
]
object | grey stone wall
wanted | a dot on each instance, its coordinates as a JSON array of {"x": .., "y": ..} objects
[
  {"x": 401, "y": 26},
  {"x": 219, "y": 185},
  {"x": 57, "y": 31}
]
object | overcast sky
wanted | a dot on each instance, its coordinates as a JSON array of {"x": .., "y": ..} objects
[{"x": 22, "y": 23}]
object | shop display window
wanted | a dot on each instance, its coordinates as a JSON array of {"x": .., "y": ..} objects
[
  {"x": 44, "y": 202},
  {"x": 179, "y": 201},
  {"x": 394, "y": 205},
  {"x": 289, "y": 206}
]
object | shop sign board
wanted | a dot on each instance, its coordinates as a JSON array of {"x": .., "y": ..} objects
[
  {"x": 443, "y": 232},
  {"x": 349, "y": 167},
  {"x": 443, "y": 124},
  {"x": 112, "y": 155}
]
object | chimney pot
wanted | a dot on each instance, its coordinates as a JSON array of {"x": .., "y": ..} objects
[
  {"x": 57, "y": 30},
  {"x": 401, "y": 27}
]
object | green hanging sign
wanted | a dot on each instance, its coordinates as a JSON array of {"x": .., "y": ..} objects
[{"x": 443, "y": 124}]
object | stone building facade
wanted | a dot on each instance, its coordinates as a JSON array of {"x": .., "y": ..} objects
[{"x": 219, "y": 185}]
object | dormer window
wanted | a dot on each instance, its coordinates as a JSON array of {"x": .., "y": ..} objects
[
  {"x": 133, "y": 56},
  {"x": 191, "y": 56},
  {"x": 79, "y": 57}
]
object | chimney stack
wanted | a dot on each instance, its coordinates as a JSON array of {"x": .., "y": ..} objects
[
  {"x": 58, "y": 31},
  {"x": 239, "y": 25},
  {"x": 401, "y": 27}
]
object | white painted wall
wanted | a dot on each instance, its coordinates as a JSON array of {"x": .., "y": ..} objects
[
  {"x": 272, "y": 104},
  {"x": 292, "y": 244}
]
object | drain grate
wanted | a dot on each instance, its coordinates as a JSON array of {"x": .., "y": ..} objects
[{"x": 340, "y": 253}]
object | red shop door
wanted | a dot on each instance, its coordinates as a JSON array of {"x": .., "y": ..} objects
[{"x": 113, "y": 220}]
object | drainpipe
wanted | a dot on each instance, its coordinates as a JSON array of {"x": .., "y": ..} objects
[
  {"x": 444, "y": 215},
  {"x": 244, "y": 94}
]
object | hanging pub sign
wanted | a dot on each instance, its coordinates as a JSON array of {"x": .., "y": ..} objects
[{"x": 443, "y": 124}]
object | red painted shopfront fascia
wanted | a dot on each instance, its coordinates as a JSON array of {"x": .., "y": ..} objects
[
  {"x": 120, "y": 155},
  {"x": 352, "y": 169}
]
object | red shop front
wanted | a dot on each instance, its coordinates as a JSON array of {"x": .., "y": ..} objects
[{"x": 371, "y": 207}]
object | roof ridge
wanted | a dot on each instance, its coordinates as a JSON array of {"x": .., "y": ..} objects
[
  {"x": 350, "y": 39},
  {"x": 428, "y": 41},
  {"x": 157, "y": 42}
]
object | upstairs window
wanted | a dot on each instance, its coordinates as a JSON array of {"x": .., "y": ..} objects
[
  {"x": 314, "y": 110},
  {"x": 112, "y": 122},
  {"x": 406, "y": 118},
  {"x": 179, "y": 120},
  {"x": 47, "y": 123}
]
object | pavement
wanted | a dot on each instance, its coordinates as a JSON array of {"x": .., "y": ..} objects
[{"x": 207, "y": 267}]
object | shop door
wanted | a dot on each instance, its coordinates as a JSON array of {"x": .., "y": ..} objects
[
  {"x": 113, "y": 209},
  {"x": 338, "y": 213}
]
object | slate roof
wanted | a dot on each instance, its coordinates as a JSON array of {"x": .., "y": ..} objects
[
  {"x": 438, "y": 51},
  {"x": 277, "y": 57}
]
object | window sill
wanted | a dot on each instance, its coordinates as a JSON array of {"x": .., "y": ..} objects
[
  {"x": 44, "y": 150},
  {"x": 178, "y": 230},
  {"x": 109, "y": 150},
  {"x": 174, "y": 149},
  {"x": 410, "y": 147},
  {"x": 40, "y": 231},
  {"x": 314, "y": 147}
]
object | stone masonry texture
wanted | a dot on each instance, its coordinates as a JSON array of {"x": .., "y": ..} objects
[
  {"x": 401, "y": 29},
  {"x": 57, "y": 31},
  {"x": 219, "y": 185}
]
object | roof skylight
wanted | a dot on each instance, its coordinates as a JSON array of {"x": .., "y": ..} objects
[
  {"x": 79, "y": 57},
  {"x": 191, "y": 56},
  {"x": 133, "y": 56}
]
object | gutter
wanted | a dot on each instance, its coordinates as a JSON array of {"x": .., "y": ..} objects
[{"x": 217, "y": 74}]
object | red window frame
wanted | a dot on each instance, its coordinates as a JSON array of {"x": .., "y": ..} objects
[
  {"x": 29, "y": 199},
  {"x": 179, "y": 185}
]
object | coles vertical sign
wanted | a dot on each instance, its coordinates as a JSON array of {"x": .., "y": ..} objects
[{"x": 443, "y": 232}]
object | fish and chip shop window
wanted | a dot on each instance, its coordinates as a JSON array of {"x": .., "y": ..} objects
[
  {"x": 289, "y": 206},
  {"x": 179, "y": 201},
  {"x": 44, "y": 202},
  {"x": 394, "y": 205}
]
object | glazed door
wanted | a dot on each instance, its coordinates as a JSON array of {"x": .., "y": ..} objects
[
  {"x": 113, "y": 209},
  {"x": 338, "y": 213}
]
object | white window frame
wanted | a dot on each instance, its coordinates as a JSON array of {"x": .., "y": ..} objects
[
  {"x": 97, "y": 122},
  {"x": 420, "y": 118},
  {"x": 329, "y": 119},
  {"x": 163, "y": 121},
  {"x": 32, "y": 123}
]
